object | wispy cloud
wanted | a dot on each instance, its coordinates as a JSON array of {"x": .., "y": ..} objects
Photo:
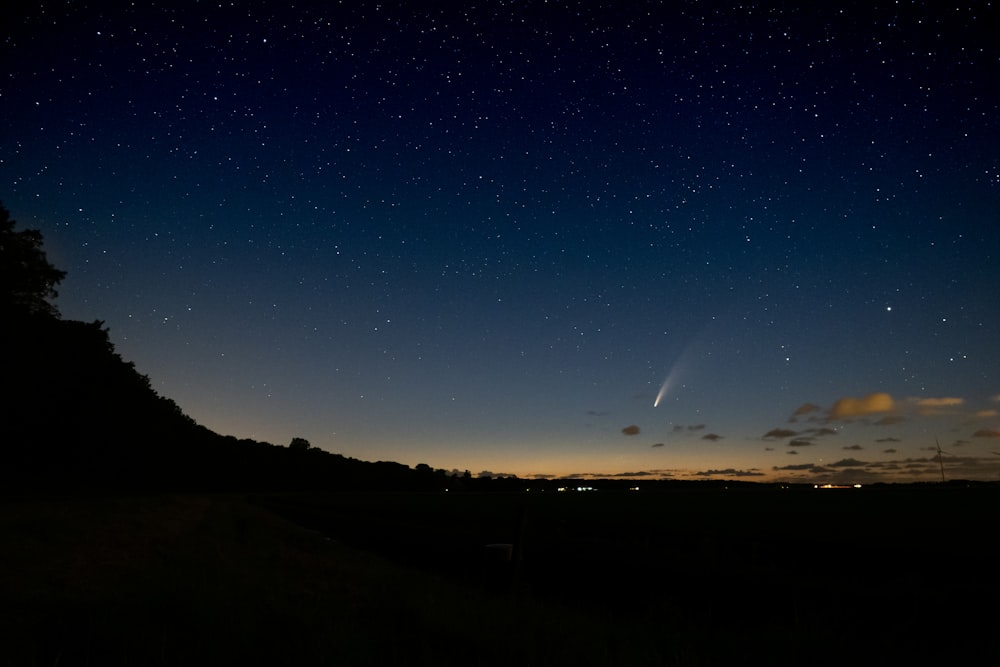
[
  {"x": 711, "y": 436},
  {"x": 730, "y": 472},
  {"x": 797, "y": 466},
  {"x": 803, "y": 410},
  {"x": 690, "y": 427},
  {"x": 848, "y": 463},
  {"x": 944, "y": 402},
  {"x": 935, "y": 406},
  {"x": 631, "y": 429}
]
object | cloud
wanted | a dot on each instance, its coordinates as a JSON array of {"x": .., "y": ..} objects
[
  {"x": 926, "y": 468},
  {"x": 888, "y": 440},
  {"x": 804, "y": 409},
  {"x": 945, "y": 402},
  {"x": 711, "y": 436},
  {"x": 779, "y": 433},
  {"x": 631, "y": 430},
  {"x": 936, "y": 406},
  {"x": 987, "y": 433},
  {"x": 801, "y": 442},
  {"x": 730, "y": 472},
  {"x": 796, "y": 466},
  {"x": 986, "y": 413},
  {"x": 891, "y": 450},
  {"x": 596, "y": 413},
  {"x": 677, "y": 428},
  {"x": 855, "y": 448},
  {"x": 821, "y": 431},
  {"x": 848, "y": 463},
  {"x": 659, "y": 444},
  {"x": 848, "y": 407}
]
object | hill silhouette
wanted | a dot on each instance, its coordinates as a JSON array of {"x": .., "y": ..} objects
[{"x": 76, "y": 416}]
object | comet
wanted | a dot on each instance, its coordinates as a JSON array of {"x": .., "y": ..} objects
[
  {"x": 678, "y": 370},
  {"x": 663, "y": 389}
]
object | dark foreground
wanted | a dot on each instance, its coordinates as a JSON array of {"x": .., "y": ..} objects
[
  {"x": 770, "y": 576},
  {"x": 864, "y": 576}
]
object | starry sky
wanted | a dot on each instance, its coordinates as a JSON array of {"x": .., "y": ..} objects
[{"x": 689, "y": 240}]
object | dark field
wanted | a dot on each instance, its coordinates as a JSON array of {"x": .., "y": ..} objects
[
  {"x": 686, "y": 577},
  {"x": 783, "y": 576}
]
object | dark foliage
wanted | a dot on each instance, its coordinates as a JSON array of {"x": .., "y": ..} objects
[
  {"x": 76, "y": 415},
  {"x": 27, "y": 280}
]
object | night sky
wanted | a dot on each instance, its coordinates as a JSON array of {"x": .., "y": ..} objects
[{"x": 493, "y": 238}]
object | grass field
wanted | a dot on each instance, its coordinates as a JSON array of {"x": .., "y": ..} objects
[
  {"x": 201, "y": 580},
  {"x": 768, "y": 575},
  {"x": 609, "y": 579}
]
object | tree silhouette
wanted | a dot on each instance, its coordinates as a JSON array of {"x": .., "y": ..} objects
[
  {"x": 27, "y": 280},
  {"x": 299, "y": 444}
]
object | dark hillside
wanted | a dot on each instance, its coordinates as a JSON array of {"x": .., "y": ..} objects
[{"x": 76, "y": 417}]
